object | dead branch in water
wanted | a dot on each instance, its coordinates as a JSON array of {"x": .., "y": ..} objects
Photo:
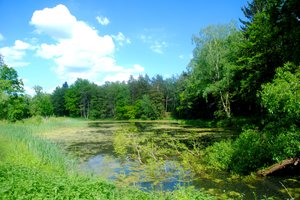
[{"x": 278, "y": 166}]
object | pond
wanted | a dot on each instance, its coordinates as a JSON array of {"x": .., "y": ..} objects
[{"x": 162, "y": 155}]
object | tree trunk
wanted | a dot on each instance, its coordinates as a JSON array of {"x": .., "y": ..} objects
[{"x": 278, "y": 166}]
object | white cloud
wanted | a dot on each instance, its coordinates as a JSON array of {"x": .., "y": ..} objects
[
  {"x": 56, "y": 22},
  {"x": 103, "y": 20},
  {"x": 124, "y": 74},
  {"x": 1, "y": 37},
  {"x": 14, "y": 55},
  {"x": 156, "y": 46},
  {"x": 138, "y": 68},
  {"x": 77, "y": 50},
  {"x": 20, "y": 45},
  {"x": 121, "y": 39}
]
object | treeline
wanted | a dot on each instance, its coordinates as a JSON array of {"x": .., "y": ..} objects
[{"x": 139, "y": 98}]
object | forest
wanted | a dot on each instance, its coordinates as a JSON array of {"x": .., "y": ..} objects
[{"x": 240, "y": 73}]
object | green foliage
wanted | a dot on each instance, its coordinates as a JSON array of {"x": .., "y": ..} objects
[
  {"x": 211, "y": 68},
  {"x": 78, "y": 98},
  {"x": 13, "y": 103},
  {"x": 251, "y": 152},
  {"x": 9, "y": 81},
  {"x": 271, "y": 38},
  {"x": 138, "y": 87},
  {"x": 281, "y": 97},
  {"x": 148, "y": 108},
  {"x": 58, "y": 100},
  {"x": 121, "y": 143},
  {"x": 254, "y": 150},
  {"x": 126, "y": 112},
  {"x": 24, "y": 145},
  {"x": 41, "y": 103},
  {"x": 219, "y": 155},
  {"x": 18, "y": 108},
  {"x": 18, "y": 182},
  {"x": 30, "y": 183},
  {"x": 286, "y": 144}
]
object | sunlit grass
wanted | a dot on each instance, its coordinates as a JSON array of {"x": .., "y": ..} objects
[{"x": 26, "y": 148}]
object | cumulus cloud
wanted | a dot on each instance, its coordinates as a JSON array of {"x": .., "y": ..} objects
[
  {"x": 56, "y": 22},
  {"x": 121, "y": 39},
  {"x": 77, "y": 49},
  {"x": 104, "y": 21},
  {"x": 14, "y": 55}
]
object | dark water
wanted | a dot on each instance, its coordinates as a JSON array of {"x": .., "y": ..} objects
[{"x": 98, "y": 155}]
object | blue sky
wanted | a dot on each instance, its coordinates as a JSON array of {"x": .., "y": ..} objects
[{"x": 50, "y": 42}]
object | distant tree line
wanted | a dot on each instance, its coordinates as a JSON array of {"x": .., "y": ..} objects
[{"x": 139, "y": 98}]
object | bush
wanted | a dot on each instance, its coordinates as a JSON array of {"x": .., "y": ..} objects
[
  {"x": 125, "y": 112},
  {"x": 281, "y": 97},
  {"x": 219, "y": 155},
  {"x": 251, "y": 152},
  {"x": 286, "y": 145}
]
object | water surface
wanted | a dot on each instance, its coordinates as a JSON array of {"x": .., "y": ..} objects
[{"x": 105, "y": 151}]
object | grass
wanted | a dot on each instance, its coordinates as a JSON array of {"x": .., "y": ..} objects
[{"x": 32, "y": 167}]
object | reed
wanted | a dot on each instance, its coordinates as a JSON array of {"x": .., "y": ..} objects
[{"x": 23, "y": 139}]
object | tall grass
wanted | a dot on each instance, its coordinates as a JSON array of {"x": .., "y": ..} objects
[
  {"x": 23, "y": 140},
  {"x": 32, "y": 167}
]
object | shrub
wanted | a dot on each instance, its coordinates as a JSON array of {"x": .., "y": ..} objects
[
  {"x": 281, "y": 97},
  {"x": 251, "y": 152},
  {"x": 286, "y": 145},
  {"x": 219, "y": 155}
]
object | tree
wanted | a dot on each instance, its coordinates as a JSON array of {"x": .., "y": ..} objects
[
  {"x": 190, "y": 104},
  {"x": 146, "y": 109},
  {"x": 157, "y": 95},
  {"x": 138, "y": 87},
  {"x": 211, "y": 68},
  {"x": 12, "y": 100},
  {"x": 41, "y": 104},
  {"x": 9, "y": 82},
  {"x": 271, "y": 39},
  {"x": 283, "y": 17},
  {"x": 117, "y": 95},
  {"x": 78, "y": 98},
  {"x": 58, "y": 100}
]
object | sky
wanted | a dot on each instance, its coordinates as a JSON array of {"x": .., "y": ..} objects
[{"x": 50, "y": 42}]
